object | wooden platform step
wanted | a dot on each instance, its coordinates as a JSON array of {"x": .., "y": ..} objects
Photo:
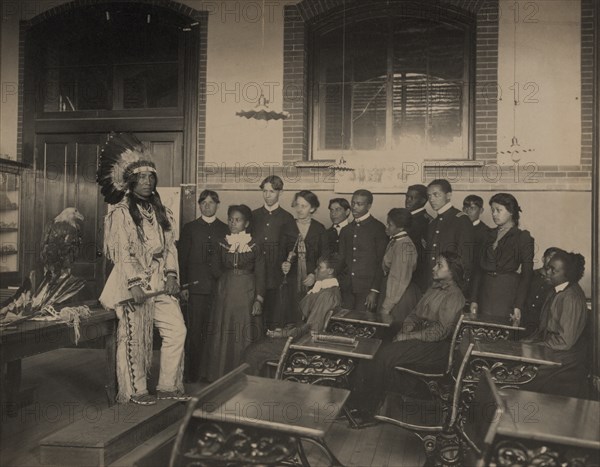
[
  {"x": 101, "y": 438},
  {"x": 155, "y": 452}
]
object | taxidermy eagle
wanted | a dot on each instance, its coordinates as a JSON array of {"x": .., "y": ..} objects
[
  {"x": 60, "y": 248},
  {"x": 61, "y": 243}
]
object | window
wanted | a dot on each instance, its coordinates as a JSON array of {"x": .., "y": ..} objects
[
  {"x": 111, "y": 57},
  {"x": 398, "y": 84}
]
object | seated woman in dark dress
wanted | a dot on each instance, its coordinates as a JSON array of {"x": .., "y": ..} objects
[
  {"x": 423, "y": 341},
  {"x": 563, "y": 329},
  {"x": 324, "y": 297},
  {"x": 539, "y": 289}
]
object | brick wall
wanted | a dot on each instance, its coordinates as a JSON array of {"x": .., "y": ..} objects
[
  {"x": 486, "y": 82},
  {"x": 202, "y": 70},
  {"x": 485, "y": 175},
  {"x": 295, "y": 86}
]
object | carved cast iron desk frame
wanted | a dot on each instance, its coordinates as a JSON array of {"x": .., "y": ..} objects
[
  {"x": 542, "y": 429},
  {"x": 511, "y": 364},
  {"x": 31, "y": 338},
  {"x": 327, "y": 364},
  {"x": 242, "y": 420},
  {"x": 359, "y": 324},
  {"x": 488, "y": 328}
]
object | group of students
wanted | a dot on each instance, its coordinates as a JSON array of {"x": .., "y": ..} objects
[
  {"x": 419, "y": 269},
  {"x": 266, "y": 275}
]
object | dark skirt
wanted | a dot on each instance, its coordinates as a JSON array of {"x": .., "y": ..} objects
[
  {"x": 258, "y": 354},
  {"x": 497, "y": 294},
  {"x": 289, "y": 302},
  {"x": 373, "y": 378},
  {"x": 232, "y": 327},
  {"x": 407, "y": 303},
  {"x": 569, "y": 380},
  {"x": 197, "y": 319}
]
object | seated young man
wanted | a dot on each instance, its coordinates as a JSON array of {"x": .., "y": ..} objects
[
  {"x": 322, "y": 298},
  {"x": 562, "y": 328},
  {"x": 423, "y": 341}
]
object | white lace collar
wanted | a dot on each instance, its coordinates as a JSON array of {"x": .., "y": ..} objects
[{"x": 239, "y": 242}]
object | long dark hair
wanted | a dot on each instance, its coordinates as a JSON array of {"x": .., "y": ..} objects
[
  {"x": 154, "y": 201},
  {"x": 510, "y": 203},
  {"x": 456, "y": 267}
]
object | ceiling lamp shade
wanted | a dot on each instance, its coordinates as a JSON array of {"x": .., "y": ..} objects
[
  {"x": 262, "y": 111},
  {"x": 341, "y": 166}
]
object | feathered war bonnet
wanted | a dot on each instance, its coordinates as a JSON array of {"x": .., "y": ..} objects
[{"x": 122, "y": 156}]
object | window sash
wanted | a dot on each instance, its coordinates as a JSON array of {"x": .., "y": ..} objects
[{"x": 443, "y": 97}]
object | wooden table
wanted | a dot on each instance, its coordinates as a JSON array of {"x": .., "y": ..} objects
[
  {"x": 488, "y": 327},
  {"x": 31, "y": 338},
  {"x": 537, "y": 429},
  {"x": 359, "y": 324},
  {"x": 511, "y": 363},
  {"x": 241, "y": 420}
]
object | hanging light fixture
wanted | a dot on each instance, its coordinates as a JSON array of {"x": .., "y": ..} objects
[
  {"x": 262, "y": 110},
  {"x": 342, "y": 165},
  {"x": 515, "y": 151}
]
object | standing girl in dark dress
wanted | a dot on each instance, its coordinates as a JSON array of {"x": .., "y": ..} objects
[
  {"x": 501, "y": 280},
  {"x": 302, "y": 243},
  {"x": 239, "y": 265}
]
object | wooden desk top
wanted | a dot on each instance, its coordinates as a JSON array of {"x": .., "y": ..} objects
[
  {"x": 98, "y": 314},
  {"x": 517, "y": 351},
  {"x": 365, "y": 348},
  {"x": 286, "y": 406},
  {"x": 487, "y": 320},
  {"x": 555, "y": 419},
  {"x": 364, "y": 317}
]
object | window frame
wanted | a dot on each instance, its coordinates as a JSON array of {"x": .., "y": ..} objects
[
  {"x": 150, "y": 112},
  {"x": 334, "y": 20}
]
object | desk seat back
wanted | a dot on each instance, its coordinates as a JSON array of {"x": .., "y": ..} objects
[
  {"x": 453, "y": 343},
  {"x": 482, "y": 418},
  {"x": 283, "y": 358}
]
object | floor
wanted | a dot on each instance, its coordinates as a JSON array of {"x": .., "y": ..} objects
[{"x": 69, "y": 386}]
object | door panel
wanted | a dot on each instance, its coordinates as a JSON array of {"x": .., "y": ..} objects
[
  {"x": 67, "y": 166},
  {"x": 55, "y": 182},
  {"x": 166, "y": 150},
  {"x": 87, "y": 200}
]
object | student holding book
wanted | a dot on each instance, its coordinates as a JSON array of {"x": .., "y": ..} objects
[{"x": 315, "y": 307}]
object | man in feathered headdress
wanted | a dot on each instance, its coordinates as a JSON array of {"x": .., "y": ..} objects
[{"x": 139, "y": 239}]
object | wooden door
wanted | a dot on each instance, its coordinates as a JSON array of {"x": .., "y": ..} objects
[{"x": 66, "y": 169}]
